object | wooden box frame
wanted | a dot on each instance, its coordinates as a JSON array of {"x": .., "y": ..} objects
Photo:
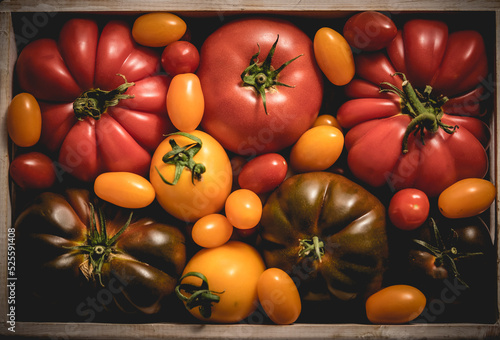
[{"x": 247, "y": 331}]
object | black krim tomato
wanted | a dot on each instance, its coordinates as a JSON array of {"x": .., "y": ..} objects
[
  {"x": 81, "y": 257},
  {"x": 329, "y": 234}
]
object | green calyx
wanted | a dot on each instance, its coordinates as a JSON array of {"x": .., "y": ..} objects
[
  {"x": 99, "y": 246},
  {"x": 199, "y": 296},
  {"x": 93, "y": 103},
  {"x": 426, "y": 112},
  {"x": 312, "y": 248},
  {"x": 263, "y": 76},
  {"x": 445, "y": 256},
  {"x": 183, "y": 157}
]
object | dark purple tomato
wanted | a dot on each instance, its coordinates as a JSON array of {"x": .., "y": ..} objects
[
  {"x": 33, "y": 170},
  {"x": 263, "y": 173},
  {"x": 180, "y": 57},
  {"x": 369, "y": 31}
]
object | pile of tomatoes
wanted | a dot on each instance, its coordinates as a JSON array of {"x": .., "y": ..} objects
[{"x": 210, "y": 175}]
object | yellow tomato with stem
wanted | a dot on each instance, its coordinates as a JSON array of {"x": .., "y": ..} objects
[{"x": 185, "y": 102}]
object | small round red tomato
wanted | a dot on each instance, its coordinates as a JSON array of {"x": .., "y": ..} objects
[
  {"x": 395, "y": 305},
  {"x": 334, "y": 56},
  {"x": 185, "y": 102},
  {"x": 317, "y": 149},
  {"x": 369, "y": 31},
  {"x": 211, "y": 231},
  {"x": 33, "y": 170},
  {"x": 124, "y": 189},
  {"x": 243, "y": 209},
  {"x": 327, "y": 120},
  {"x": 409, "y": 208},
  {"x": 24, "y": 120},
  {"x": 467, "y": 197},
  {"x": 180, "y": 57},
  {"x": 263, "y": 173},
  {"x": 279, "y": 296},
  {"x": 158, "y": 29}
]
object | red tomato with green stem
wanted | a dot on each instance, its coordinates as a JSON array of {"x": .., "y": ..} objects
[{"x": 112, "y": 129}]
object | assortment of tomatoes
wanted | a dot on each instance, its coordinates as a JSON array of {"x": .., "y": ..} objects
[{"x": 250, "y": 196}]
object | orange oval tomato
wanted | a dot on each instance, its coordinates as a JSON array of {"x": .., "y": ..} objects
[
  {"x": 232, "y": 272},
  {"x": 191, "y": 197},
  {"x": 158, "y": 29},
  {"x": 334, "y": 56},
  {"x": 211, "y": 231},
  {"x": 395, "y": 305},
  {"x": 279, "y": 296},
  {"x": 467, "y": 197},
  {"x": 24, "y": 120},
  {"x": 317, "y": 149},
  {"x": 124, "y": 189},
  {"x": 243, "y": 209},
  {"x": 327, "y": 120},
  {"x": 185, "y": 102}
]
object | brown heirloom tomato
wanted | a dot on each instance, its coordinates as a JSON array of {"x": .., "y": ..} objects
[
  {"x": 74, "y": 264},
  {"x": 328, "y": 233}
]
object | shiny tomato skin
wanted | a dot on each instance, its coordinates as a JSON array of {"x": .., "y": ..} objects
[
  {"x": 243, "y": 209},
  {"x": 211, "y": 231},
  {"x": 158, "y": 29},
  {"x": 466, "y": 198},
  {"x": 234, "y": 114},
  {"x": 124, "y": 189},
  {"x": 408, "y": 208},
  {"x": 326, "y": 119},
  {"x": 180, "y": 57},
  {"x": 369, "y": 31},
  {"x": 186, "y": 200},
  {"x": 334, "y": 56},
  {"x": 185, "y": 102},
  {"x": 395, "y": 304},
  {"x": 263, "y": 173},
  {"x": 234, "y": 269},
  {"x": 33, "y": 170},
  {"x": 24, "y": 120},
  {"x": 317, "y": 149},
  {"x": 279, "y": 296}
]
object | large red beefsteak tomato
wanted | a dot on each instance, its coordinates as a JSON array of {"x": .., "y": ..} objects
[
  {"x": 258, "y": 97},
  {"x": 102, "y": 99},
  {"x": 423, "y": 133}
]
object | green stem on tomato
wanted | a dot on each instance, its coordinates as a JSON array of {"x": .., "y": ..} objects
[{"x": 312, "y": 248}]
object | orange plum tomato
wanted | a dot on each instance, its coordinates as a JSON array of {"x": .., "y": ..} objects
[
  {"x": 158, "y": 29},
  {"x": 334, "y": 56},
  {"x": 327, "y": 120},
  {"x": 279, "y": 296},
  {"x": 231, "y": 273},
  {"x": 243, "y": 209},
  {"x": 466, "y": 198},
  {"x": 408, "y": 208},
  {"x": 180, "y": 57},
  {"x": 263, "y": 173},
  {"x": 24, "y": 120},
  {"x": 33, "y": 170},
  {"x": 124, "y": 189},
  {"x": 185, "y": 102},
  {"x": 211, "y": 231},
  {"x": 191, "y": 174},
  {"x": 395, "y": 304},
  {"x": 317, "y": 149}
]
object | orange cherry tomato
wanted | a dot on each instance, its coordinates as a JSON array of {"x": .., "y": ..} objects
[
  {"x": 158, "y": 29},
  {"x": 211, "y": 231},
  {"x": 467, "y": 197},
  {"x": 185, "y": 102},
  {"x": 317, "y": 149},
  {"x": 24, "y": 120},
  {"x": 395, "y": 305},
  {"x": 124, "y": 189},
  {"x": 279, "y": 296},
  {"x": 243, "y": 209},
  {"x": 334, "y": 56},
  {"x": 327, "y": 120}
]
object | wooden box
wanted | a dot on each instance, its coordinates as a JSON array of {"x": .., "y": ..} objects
[{"x": 36, "y": 14}]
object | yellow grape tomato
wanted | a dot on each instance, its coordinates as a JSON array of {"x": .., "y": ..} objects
[
  {"x": 243, "y": 209},
  {"x": 158, "y": 29},
  {"x": 185, "y": 102},
  {"x": 211, "y": 231},
  {"x": 124, "y": 189},
  {"x": 24, "y": 120}
]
